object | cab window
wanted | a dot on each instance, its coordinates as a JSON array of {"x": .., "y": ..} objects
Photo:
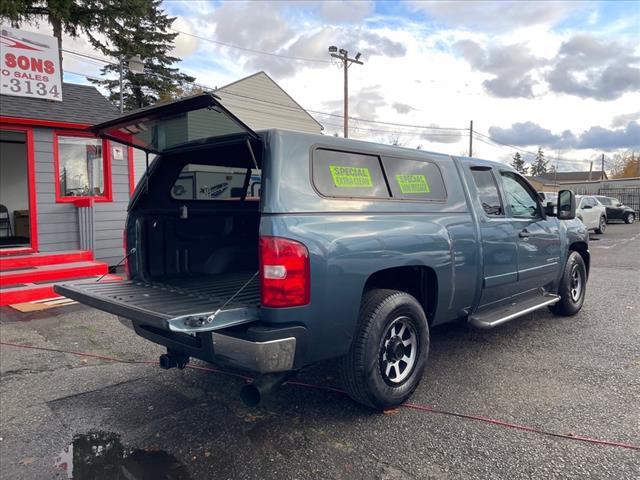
[
  {"x": 487, "y": 191},
  {"x": 520, "y": 200}
]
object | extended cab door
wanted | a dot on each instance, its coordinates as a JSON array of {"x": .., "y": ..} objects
[
  {"x": 538, "y": 237},
  {"x": 499, "y": 238}
]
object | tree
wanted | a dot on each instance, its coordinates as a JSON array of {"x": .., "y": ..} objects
[
  {"x": 539, "y": 166},
  {"x": 626, "y": 164},
  {"x": 518, "y": 164},
  {"x": 148, "y": 36}
]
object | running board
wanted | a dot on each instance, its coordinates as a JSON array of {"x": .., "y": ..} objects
[{"x": 493, "y": 318}]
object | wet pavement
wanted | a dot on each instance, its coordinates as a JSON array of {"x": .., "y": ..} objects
[{"x": 64, "y": 416}]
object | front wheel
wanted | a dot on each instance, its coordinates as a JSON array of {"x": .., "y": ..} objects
[
  {"x": 573, "y": 287},
  {"x": 602, "y": 226},
  {"x": 388, "y": 354},
  {"x": 630, "y": 218}
]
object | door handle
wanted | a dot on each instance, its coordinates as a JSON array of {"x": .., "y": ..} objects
[{"x": 524, "y": 233}]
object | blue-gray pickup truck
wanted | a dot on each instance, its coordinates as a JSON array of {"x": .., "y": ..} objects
[{"x": 270, "y": 251}]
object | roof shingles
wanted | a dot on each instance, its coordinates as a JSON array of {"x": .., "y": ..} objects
[{"x": 80, "y": 104}]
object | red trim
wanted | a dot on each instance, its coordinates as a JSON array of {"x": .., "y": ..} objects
[
  {"x": 106, "y": 162},
  {"x": 31, "y": 293},
  {"x": 31, "y": 187},
  {"x": 44, "y": 123},
  {"x": 37, "y": 259},
  {"x": 132, "y": 180},
  {"x": 50, "y": 273}
]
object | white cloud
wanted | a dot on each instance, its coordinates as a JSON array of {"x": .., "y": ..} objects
[{"x": 185, "y": 45}]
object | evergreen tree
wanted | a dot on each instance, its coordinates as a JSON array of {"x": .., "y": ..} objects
[
  {"x": 539, "y": 166},
  {"x": 518, "y": 164},
  {"x": 147, "y": 34}
]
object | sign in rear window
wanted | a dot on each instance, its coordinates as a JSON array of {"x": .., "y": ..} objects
[
  {"x": 414, "y": 179},
  {"x": 348, "y": 175}
]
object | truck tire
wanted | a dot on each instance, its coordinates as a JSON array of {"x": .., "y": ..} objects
[
  {"x": 389, "y": 351},
  {"x": 573, "y": 286},
  {"x": 630, "y": 218},
  {"x": 602, "y": 226}
]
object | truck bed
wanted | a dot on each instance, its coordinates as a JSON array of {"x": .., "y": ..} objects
[{"x": 167, "y": 303}]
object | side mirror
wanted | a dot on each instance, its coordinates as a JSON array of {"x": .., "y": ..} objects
[
  {"x": 550, "y": 209},
  {"x": 566, "y": 205}
]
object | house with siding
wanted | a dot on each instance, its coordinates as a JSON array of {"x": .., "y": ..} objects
[{"x": 63, "y": 192}]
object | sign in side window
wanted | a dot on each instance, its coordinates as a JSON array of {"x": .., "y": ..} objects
[
  {"x": 346, "y": 174},
  {"x": 487, "y": 191},
  {"x": 211, "y": 182},
  {"x": 414, "y": 179}
]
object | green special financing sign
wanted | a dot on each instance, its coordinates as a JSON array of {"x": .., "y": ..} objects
[
  {"x": 413, "y": 183},
  {"x": 350, "y": 177}
]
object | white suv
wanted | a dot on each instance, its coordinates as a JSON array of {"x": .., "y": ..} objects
[{"x": 592, "y": 213}]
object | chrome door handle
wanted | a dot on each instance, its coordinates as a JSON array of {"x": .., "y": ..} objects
[{"x": 524, "y": 234}]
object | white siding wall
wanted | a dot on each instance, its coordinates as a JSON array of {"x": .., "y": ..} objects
[{"x": 276, "y": 110}]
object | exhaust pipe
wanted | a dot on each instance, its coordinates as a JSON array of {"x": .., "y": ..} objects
[
  {"x": 252, "y": 394},
  {"x": 172, "y": 360}
]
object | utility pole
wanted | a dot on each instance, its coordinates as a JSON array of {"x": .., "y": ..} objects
[
  {"x": 343, "y": 56},
  {"x": 120, "y": 59},
  {"x": 471, "y": 139},
  {"x": 590, "y": 170},
  {"x": 602, "y": 174}
]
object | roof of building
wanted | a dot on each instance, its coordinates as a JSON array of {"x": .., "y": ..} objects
[
  {"x": 80, "y": 104},
  {"x": 596, "y": 175},
  {"x": 542, "y": 180},
  {"x": 261, "y": 103}
]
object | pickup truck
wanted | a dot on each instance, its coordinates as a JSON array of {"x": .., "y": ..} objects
[{"x": 319, "y": 247}]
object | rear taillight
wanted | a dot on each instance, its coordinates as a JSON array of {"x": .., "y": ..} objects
[{"x": 284, "y": 272}]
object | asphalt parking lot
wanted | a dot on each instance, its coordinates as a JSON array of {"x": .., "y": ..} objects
[{"x": 578, "y": 375}]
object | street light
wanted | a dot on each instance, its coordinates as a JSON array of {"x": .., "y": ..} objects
[
  {"x": 136, "y": 66},
  {"x": 343, "y": 56}
]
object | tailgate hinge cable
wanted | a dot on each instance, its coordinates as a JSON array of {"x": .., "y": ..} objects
[
  {"x": 130, "y": 252},
  {"x": 210, "y": 318}
]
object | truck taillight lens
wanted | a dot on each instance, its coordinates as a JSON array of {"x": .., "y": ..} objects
[{"x": 284, "y": 272}]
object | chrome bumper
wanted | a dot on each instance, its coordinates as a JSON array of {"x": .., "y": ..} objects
[{"x": 262, "y": 357}]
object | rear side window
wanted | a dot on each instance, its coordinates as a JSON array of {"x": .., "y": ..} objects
[
  {"x": 347, "y": 174},
  {"x": 210, "y": 182},
  {"x": 414, "y": 179},
  {"x": 487, "y": 191}
]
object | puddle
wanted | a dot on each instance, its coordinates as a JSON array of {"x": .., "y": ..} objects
[{"x": 102, "y": 456}]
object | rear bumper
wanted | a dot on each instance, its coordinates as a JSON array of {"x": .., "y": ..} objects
[{"x": 254, "y": 348}]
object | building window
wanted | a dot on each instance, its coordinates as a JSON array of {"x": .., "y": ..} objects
[{"x": 82, "y": 168}]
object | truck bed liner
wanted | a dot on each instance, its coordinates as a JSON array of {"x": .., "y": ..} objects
[{"x": 158, "y": 302}]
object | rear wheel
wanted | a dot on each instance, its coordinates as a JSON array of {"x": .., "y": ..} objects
[
  {"x": 573, "y": 287},
  {"x": 602, "y": 226},
  {"x": 630, "y": 218},
  {"x": 388, "y": 354}
]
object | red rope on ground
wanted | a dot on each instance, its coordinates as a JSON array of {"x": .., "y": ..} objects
[{"x": 411, "y": 406}]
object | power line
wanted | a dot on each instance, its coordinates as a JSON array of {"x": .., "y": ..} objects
[
  {"x": 252, "y": 50},
  {"x": 281, "y": 105}
]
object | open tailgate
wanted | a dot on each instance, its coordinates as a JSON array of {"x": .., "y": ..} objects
[
  {"x": 200, "y": 304},
  {"x": 175, "y": 125}
]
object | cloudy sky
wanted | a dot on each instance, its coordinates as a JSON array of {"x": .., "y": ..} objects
[{"x": 561, "y": 75}]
